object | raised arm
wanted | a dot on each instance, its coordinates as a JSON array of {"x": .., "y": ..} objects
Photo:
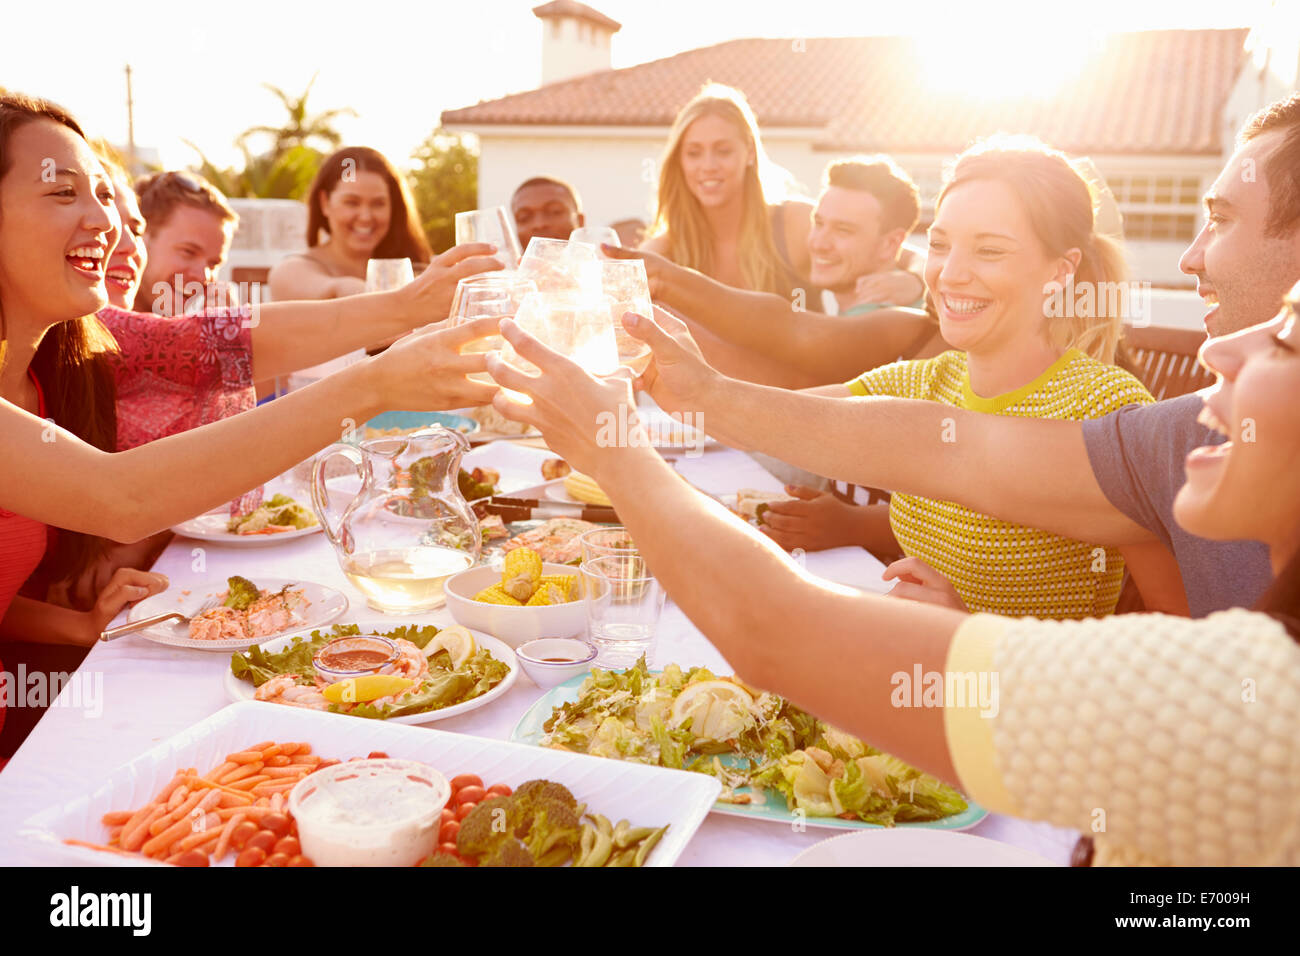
[
  {"x": 60, "y": 480},
  {"x": 820, "y": 348},
  {"x": 844, "y": 675},
  {"x": 1029, "y": 471},
  {"x": 292, "y": 335}
]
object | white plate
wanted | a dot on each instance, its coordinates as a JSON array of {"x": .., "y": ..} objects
[
  {"x": 239, "y": 690},
  {"x": 212, "y": 527},
  {"x": 326, "y": 605},
  {"x": 558, "y": 492},
  {"x": 915, "y": 847},
  {"x": 647, "y": 796}
]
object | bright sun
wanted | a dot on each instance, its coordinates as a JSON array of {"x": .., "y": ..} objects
[{"x": 1005, "y": 61}]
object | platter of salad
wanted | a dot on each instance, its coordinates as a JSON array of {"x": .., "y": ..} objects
[
  {"x": 411, "y": 674},
  {"x": 774, "y": 761}
]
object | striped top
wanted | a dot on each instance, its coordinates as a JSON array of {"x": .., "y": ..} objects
[{"x": 997, "y": 566}]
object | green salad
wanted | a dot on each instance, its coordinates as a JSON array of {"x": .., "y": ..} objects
[
  {"x": 751, "y": 740},
  {"x": 279, "y": 513},
  {"x": 445, "y": 684}
]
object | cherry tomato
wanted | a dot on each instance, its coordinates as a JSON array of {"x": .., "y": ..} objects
[
  {"x": 448, "y": 832},
  {"x": 499, "y": 790},
  {"x": 288, "y": 845},
  {"x": 470, "y": 794},
  {"x": 277, "y": 823},
  {"x": 377, "y": 755},
  {"x": 449, "y": 848},
  {"x": 299, "y": 860},
  {"x": 463, "y": 810},
  {"x": 240, "y": 835},
  {"x": 277, "y": 859},
  {"x": 193, "y": 858},
  {"x": 448, "y": 814},
  {"x": 466, "y": 780},
  {"x": 253, "y": 856},
  {"x": 263, "y": 840}
]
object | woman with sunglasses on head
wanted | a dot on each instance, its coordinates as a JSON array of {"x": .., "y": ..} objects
[
  {"x": 366, "y": 211},
  {"x": 1174, "y": 741},
  {"x": 58, "y": 227}
]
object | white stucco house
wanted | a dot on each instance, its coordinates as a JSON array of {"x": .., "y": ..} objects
[{"x": 1156, "y": 112}]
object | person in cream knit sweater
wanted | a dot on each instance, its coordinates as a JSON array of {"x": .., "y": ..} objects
[{"x": 1168, "y": 740}]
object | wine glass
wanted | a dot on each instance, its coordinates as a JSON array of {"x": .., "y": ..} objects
[
  {"x": 595, "y": 235},
  {"x": 628, "y": 287},
  {"x": 576, "y": 325},
  {"x": 488, "y": 295},
  {"x": 490, "y": 225},
  {"x": 385, "y": 275}
]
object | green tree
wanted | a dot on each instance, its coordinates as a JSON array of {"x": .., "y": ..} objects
[
  {"x": 284, "y": 171},
  {"x": 444, "y": 182}
]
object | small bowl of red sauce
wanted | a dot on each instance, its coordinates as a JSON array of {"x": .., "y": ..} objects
[
  {"x": 354, "y": 657},
  {"x": 553, "y": 660}
]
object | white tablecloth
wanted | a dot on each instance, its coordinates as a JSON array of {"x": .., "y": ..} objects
[{"x": 150, "y": 692}]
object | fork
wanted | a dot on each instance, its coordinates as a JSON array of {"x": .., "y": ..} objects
[{"x": 130, "y": 628}]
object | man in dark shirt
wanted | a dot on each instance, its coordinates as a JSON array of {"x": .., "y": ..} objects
[{"x": 1111, "y": 481}]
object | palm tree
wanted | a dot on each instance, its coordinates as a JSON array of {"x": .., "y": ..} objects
[{"x": 302, "y": 127}]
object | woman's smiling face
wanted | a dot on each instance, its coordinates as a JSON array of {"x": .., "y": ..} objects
[
  {"x": 58, "y": 225},
  {"x": 358, "y": 212},
  {"x": 987, "y": 269},
  {"x": 126, "y": 265},
  {"x": 714, "y": 156},
  {"x": 1249, "y": 487}
]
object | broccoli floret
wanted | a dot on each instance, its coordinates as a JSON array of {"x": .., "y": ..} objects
[
  {"x": 491, "y": 822},
  {"x": 280, "y": 501},
  {"x": 552, "y": 824},
  {"x": 508, "y": 852},
  {"x": 441, "y": 859},
  {"x": 540, "y": 790},
  {"x": 241, "y": 593}
]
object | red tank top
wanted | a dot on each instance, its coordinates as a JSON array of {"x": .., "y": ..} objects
[{"x": 22, "y": 545}]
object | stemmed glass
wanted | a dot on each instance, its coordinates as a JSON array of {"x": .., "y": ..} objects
[
  {"x": 385, "y": 275},
  {"x": 488, "y": 295},
  {"x": 490, "y": 225}
]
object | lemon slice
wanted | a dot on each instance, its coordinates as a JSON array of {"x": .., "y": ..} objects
[
  {"x": 456, "y": 641},
  {"x": 717, "y": 709},
  {"x": 359, "y": 690}
]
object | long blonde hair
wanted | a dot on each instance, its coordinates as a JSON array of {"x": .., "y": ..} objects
[
  {"x": 1061, "y": 203},
  {"x": 679, "y": 214}
]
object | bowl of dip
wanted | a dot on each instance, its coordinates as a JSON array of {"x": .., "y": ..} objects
[
  {"x": 553, "y": 660},
  {"x": 380, "y": 812},
  {"x": 354, "y": 657}
]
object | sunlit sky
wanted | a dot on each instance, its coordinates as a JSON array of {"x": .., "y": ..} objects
[{"x": 198, "y": 69}]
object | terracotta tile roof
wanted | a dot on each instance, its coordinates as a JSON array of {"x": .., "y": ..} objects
[
  {"x": 572, "y": 8},
  {"x": 1150, "y": 92}
]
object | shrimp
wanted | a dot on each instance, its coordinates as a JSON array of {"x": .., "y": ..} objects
[
  {"x": 411, "y": 662},
  {"x": 285, "y": 689}
]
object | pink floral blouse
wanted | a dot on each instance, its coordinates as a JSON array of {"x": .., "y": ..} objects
[{"x": 174, "y": 374}]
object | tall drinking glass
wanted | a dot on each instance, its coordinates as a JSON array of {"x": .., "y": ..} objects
[
  {"x": 604, "y": 542},
  {"x": 490, "y": 225},
  {"x": 628, "y": 287},
  {"x": 595, "y": 235},
  {"x": 624, "y": 602}
]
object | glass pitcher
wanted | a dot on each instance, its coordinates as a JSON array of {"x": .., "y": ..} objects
[{"x": 409, "y": 528}]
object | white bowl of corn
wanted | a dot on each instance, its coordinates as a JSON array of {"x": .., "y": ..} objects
[{"x": 526, "y": 600}]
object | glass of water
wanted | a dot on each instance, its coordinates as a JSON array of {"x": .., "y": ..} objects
[
  {"x": 624, "y": 602},
  {"x": 385, "y": 275}
]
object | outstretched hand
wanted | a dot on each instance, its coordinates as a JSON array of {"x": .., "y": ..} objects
[
  {"x": 580, "y": 414},
  {"x": 431, "y": 293},
  {"x": 426, "y": 369},
  {"x": 678, "y": 375}
]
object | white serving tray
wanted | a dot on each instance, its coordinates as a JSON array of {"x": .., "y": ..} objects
[{"x": 647, "y": 796}]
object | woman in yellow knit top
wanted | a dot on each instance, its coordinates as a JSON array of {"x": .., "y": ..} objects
[
  {"x": 1012, "y": 250},
  {"x": 1171, "y": 740}
]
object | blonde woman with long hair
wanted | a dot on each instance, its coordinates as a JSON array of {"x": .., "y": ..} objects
[
  {"x": 1030, "y": 297},
  {"x": 719, "y": 210}
]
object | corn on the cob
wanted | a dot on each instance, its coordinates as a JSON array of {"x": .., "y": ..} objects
[
  {"x": 547, "y": 595},
  {"x": 568, "y": 583},
  {"x": 585, "y": 489},
  {"x": 522, "y": 573},
  {"x": 494, "y": 595}
]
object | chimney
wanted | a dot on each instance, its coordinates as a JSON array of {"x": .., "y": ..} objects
[{"x": 575, "y": 39}]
